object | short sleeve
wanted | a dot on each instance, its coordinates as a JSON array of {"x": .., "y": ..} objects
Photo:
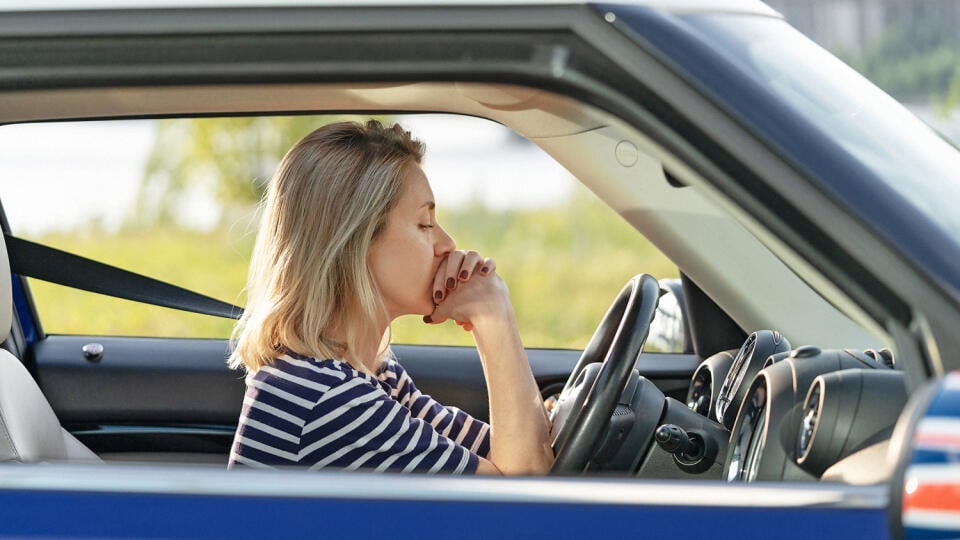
[
  {"x": 356, "y": 425},
  {"x": 450, "y": 422}
]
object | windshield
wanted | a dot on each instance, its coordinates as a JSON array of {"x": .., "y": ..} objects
[{"x": 872, "y": 127}]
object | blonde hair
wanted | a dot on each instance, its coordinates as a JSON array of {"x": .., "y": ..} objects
[{"x": 327, "y": 201}]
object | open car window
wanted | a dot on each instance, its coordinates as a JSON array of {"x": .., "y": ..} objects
[{"x": 176, "y": 200}]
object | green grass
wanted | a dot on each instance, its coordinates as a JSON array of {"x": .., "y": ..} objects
[{"x": 564, "y": 265}]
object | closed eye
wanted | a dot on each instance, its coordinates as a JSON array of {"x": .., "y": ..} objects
[{"x": 426, "y": 226}]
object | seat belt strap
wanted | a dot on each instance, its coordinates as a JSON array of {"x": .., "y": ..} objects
[{"x": 45, "y": 263}]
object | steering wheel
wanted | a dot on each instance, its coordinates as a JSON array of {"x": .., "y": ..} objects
[{"x": 589, "y": 397}]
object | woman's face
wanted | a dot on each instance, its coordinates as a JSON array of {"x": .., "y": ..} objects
[{"x": 406, "y": 255}]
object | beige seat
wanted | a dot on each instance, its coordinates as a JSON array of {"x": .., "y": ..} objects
[{"x": 29, "y": 429}]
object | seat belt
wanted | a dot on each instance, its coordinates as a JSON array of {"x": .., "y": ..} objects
[{"x": 49, "y": 264}]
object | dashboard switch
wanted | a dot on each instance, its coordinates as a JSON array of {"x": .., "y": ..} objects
[{"x": 674, "y": 439}]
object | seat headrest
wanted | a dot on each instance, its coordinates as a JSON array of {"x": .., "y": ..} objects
[{"x": 6, "y": 293}]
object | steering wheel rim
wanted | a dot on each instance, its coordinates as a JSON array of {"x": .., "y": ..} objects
[{"x": 617, "y": 343}]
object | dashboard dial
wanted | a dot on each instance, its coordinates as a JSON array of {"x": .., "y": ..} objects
[
  {"x": 700, "y": 393},
  {"x": 748, "y": 440},
  {"x": 750, "y": 359},
  {"x": 808, "y": 426}
]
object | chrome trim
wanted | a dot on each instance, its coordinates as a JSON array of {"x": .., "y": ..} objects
[{"x": 198, "y": 480}]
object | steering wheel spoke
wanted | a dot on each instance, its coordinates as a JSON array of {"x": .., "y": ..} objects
[{"x": 583, "y": 414}]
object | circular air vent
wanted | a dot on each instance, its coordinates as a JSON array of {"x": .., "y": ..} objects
[{"x": 844, "y": 412}]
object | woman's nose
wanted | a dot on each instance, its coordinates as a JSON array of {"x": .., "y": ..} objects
[{"x": 445, "y": 243}]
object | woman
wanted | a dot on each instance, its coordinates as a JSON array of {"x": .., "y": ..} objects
[{"x": 349, "y": 242}]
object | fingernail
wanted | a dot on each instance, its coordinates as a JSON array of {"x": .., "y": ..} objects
[
  {"x": 427, "y": 319},
  {"x": 484, "y": 270},
  {"x": 438, "y": 295},
  {"x": 464, "y": 274},
  {"x": 450, "y": 282}
]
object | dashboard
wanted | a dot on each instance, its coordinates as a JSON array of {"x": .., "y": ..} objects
[{"x": 783, "y": 413}]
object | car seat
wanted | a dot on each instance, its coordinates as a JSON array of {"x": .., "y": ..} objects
[{"x": 29, "y": 429}]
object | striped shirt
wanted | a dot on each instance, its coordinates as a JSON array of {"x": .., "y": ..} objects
[{"x": 325, "y": 414}]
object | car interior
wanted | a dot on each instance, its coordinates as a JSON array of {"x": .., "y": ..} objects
[{"x": 781, "y": 376}]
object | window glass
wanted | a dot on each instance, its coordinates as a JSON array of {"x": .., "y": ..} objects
[
  {"x": 901, "y": 150},
  {"x": 176, "y": 200}
]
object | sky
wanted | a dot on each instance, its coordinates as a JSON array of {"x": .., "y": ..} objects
[{"x": 54, "y": 177}]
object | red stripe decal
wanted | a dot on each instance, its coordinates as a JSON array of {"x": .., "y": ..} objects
[{"x": 933, "y": 497}]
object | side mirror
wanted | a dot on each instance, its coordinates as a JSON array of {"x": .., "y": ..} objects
[{"x": 669, "y": 331}]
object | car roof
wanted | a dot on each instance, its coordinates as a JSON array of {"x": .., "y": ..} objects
[{"x": 685, "y": 6}]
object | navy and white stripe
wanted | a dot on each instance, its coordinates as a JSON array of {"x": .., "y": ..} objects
[{"x": 325, "y": 414}]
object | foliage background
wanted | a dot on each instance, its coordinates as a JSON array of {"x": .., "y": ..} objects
[
  {"x": 563, "y": 264},
  {"x": 909, "y": 48},
  {"x": 915, "y": 63}
]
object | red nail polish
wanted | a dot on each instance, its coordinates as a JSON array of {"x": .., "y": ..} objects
[
  {"x": 450, "y": 282},
  {"x": 484, "y": 270},
  {"x": 438, "y": 295},
  {"x": 427, "y": 319},
  {"x": 464, "y": 274}
]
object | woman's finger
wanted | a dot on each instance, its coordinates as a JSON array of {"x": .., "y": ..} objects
[
  {"x": 439, "y": 289},
  {"x": 471, "y": 263},
  {"x": 487, "y": 266},
  {"x": 452, "y": 272},
  {"x": 435, "y": 317}
]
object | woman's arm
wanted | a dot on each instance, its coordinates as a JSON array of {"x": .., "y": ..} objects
[
  {"x": 451, "y": 422},
  {"x": 519, "y": 435},
  {"x": 519, "y": 432}
]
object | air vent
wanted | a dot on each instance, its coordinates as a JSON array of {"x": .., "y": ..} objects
[
  {"x": 844, "y": 412},
  {"x": 883, "y": 357}
]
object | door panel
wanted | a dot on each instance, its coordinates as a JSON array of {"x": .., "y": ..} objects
[
  {"x": 139, "y": 380},
  {"x": 149, "y": 398},
  {"x": 145, "y": 398}
]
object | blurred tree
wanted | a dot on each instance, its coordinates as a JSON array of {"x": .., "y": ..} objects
[
  {"x": 914, "y": 63},
  {"x": 952, "y": 99},
  {"x": 228, "y": 160}
]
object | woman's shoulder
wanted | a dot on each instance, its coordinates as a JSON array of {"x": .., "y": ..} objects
[{"x": 295, "y": 371}]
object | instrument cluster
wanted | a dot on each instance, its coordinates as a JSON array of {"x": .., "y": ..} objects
[{"x": 792, "y": 414}]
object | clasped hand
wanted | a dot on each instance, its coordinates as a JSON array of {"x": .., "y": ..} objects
[{"x": 466, "y": 287}]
